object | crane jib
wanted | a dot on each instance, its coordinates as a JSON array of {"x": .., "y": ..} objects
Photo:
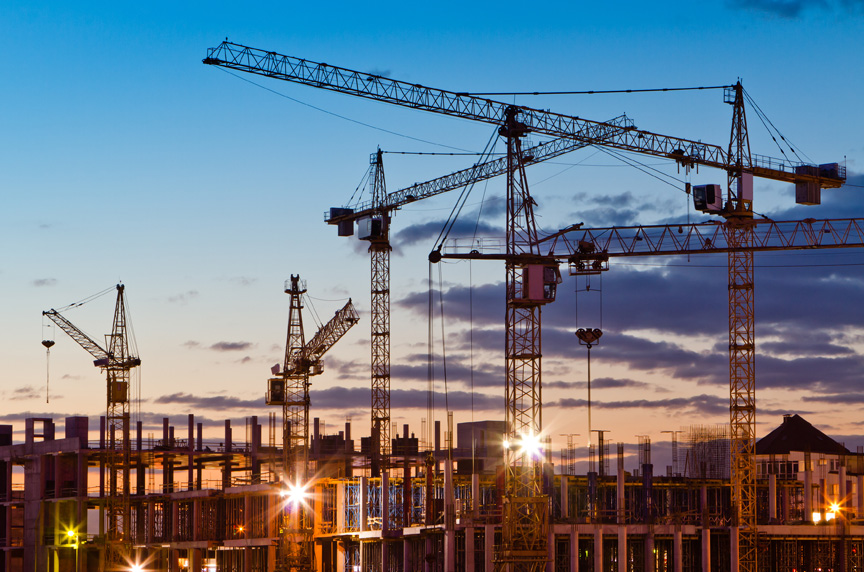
[{"x": 415, "y": 96}]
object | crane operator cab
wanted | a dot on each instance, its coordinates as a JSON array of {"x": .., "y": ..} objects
[
  {"x": 372, "y": 228},
  {"x": 540, "y": 282}
]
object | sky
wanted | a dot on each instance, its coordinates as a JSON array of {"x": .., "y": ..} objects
[{"x": 125, "y": 159}]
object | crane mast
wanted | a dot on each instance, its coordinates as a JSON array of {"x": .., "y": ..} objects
[
  {"x": 290, "y": 389},
  {"x": 528, "y": 280},
  {"x": 379, "y": 250},
  {"x": 116, "y": 361}
]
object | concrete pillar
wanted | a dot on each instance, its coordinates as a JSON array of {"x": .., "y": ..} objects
[
  {"x": 247, "y": 527},
  {"x": 385, "y": 517},
  {"x": 489, "y": 547},
  {"x": 841, "y": 489},
  {"x": 191, "y": 446},
  {"x": 677, "y": 550},
  {"x": 772, "y": 497},
  {"x": 550, "y": 550},
  {"x": 733, "y": 549},
  {"x": 859, "y": 493},
  {"x": 340, "y": 555},
  {"x": 195, "y": 559},
  {"x": 340, "y": 509},
  {"x": 385, "y": 501},
  {"x": 622, "y": 548},
  {"x": 650, "y": 557},
  {"x": 475, "y": 495},
  {"x": 449, "y": 519},
  {"x": 406, "y": 554},
  {"x": 364, "y": 505},
  {"x": 469, "y": 549},
  {"x": 706, "y": 550},
  {"x": 619, "y": 486},
  {"x": 574, "y": 549},
  {"x": 808, "y": 493},
  {"x": 598, "y": 547},
  {"x": 565, "y": 500}
]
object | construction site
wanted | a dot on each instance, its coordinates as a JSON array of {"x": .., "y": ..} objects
[{"x": 280, "y": 494}]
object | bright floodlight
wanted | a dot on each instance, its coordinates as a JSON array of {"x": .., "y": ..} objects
[
  {"x": 531, "y": 445},
  {"x": 834, "y": 508},
  {"x": 817, "y": 516},
  {"x": 294, "y": 494},
  {"x": 70, "y": 533},
  {"x": 136, "y": 568}
]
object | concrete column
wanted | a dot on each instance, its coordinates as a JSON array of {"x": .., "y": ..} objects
[
  {"x": 574, "y": 549},
  {"x": 772, "y": 497},
  {"x": 191, "y": 445},
  {"x": 340, "y": 556},
  {"x": 195, "y": 560},
  {"x": 619, "y": 486},
  {"x": 449, "y": 519},
  {"x": 364, "y": 505},
  {"x": 808, "y": 493},
  {"x": 550, "y": 550},
  {"x": 733, "y": 549},
  {"x": 622, "y": 548},
  {"x": 677, "y": 550},
  {"x": 650, "y": 557},
  {"x": 406, "y": 554},
  {"x": 859, "y": 494},
  {"x": 565, "y": 500},
  {"x": 841, "y": 490},
  {"x": 598, "y": 547},
  {"x": 469, "y": 549},
  {"x": 247, "y": 527},
  {"x": 385, "y": 517},
  {"x": 489, "y": 547},
  {"x": 385, "y": 501},
  {"x": 475, "y": 495},
  {"x": 340, "y": 509},
  {"x": 706, "y": 550}
]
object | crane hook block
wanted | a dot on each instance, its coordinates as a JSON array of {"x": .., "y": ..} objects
[{"x": 48, "y": 343}]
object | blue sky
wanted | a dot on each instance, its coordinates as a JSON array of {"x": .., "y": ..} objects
[{"x": 124, "y": 158}]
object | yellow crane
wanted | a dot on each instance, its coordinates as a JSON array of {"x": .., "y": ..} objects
[
  {"x": 290, "y": 389},
  {"x": 116, "y": 360},
  {"x": 530, "y": 281}
]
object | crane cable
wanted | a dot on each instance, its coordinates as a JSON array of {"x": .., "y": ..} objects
[
  {"x": 763, "y": 117},
  {"x": 322, "y": 110},
  {"x": 463, "y": 196}
]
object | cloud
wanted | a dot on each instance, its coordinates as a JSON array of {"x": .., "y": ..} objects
[
  {"x": 230, "y": 346},
  {"x": 214, "y": 402},
  {"x": 791, "y": 9},
  {"x": 429, "y": 231},
  {"x": 24, "y": 393},
  {"x": 338, "y": 397},
  {"x": 243, "y": 280},
  {"x": 184, "y": 297},
  {"x": 783, "y": 8},
  {"x": 704, "y": 404},
  {"x": 44, "y": 282}
]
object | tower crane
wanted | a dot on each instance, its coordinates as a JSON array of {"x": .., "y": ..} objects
[
  {"x": 116, "y": 361},
  {"x": 530, "y": 283},
  {"x": 290, "y": 389},
  {"x": 374, "y": 219}
]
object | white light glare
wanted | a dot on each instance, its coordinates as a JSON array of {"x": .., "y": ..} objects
[
  {"x": 531, "y": 445},
  {"x": 294, "y": 494}
]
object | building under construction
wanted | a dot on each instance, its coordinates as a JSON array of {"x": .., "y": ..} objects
[{"x": 208, "y": 505}]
